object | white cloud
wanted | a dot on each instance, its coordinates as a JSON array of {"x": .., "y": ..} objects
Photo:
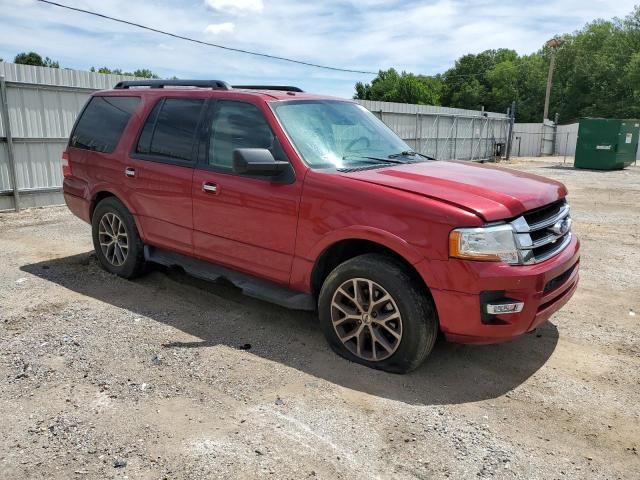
[
  {"x": 418, "y": 36},
  {"x": 236, "y": 7},
  {"x": 217, "y": 28}
]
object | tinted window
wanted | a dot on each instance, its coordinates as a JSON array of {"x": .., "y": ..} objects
[
  {"x": 239, "y": 125},
  {"x": 170, "y": 129},
  {"x": 144, "y": 142},
  {"x": 102, "y": 122}
]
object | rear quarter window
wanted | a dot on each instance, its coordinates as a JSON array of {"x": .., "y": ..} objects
[{"x": 102, "y": 122}]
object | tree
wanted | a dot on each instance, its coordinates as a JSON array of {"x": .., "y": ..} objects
[
  {"x": 32, "y": 58},
  {"x": 632, "y": 76},
  {"x": 391, "y": 86},
  {"x": 143, "y": 72},
  {"x": 597, "y": 74},
  {"x": 469, "y": 83},
  {"x": 632, "y": 72}
]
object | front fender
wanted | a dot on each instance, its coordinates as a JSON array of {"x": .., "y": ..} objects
[
  {"x": 372, "y": 234},
  {"x": 303, "y": 266}
]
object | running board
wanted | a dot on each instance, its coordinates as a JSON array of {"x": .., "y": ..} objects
[{"x": 250, "y": 286}]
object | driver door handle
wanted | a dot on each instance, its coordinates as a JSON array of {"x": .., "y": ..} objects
[{"x": 209, "y": 187}]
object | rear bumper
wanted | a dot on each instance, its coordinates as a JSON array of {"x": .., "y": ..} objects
[
  {"x": 79, "y": 206},
  {"x": 544, "y": 288}
]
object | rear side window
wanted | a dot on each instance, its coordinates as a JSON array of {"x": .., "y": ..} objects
[
  {"x": 170, "y": 129},
  {"x": 102, "y": 123}
]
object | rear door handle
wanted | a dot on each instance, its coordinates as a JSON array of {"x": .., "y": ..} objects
[
  {"x": 209, "y": 187},
  {"x": 130, "y": 172}
]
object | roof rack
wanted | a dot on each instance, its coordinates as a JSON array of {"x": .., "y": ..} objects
[
  {"x": 284, "y": 88},
  {"x": 213, "y": 84}
]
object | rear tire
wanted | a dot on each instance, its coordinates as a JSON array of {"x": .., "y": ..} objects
[
  {"x": 116, "y": 240},
  {"x": 373, "y": 312}
]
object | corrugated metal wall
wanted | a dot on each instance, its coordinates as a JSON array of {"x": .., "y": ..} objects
[
  {"x": 566, "y": 138},
  {"x": 536, "y": 139},
  {"x": 532, "y": 139},
  {"x": 42, "y": 106},
  {"x": 441, "y": 132}
]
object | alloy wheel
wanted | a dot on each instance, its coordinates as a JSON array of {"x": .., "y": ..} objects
[
  {"x": 366, "y": 319},
  {"x": 113, "y": 238}
]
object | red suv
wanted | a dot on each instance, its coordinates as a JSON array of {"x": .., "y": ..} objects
[{"x": 312, "y": 203}]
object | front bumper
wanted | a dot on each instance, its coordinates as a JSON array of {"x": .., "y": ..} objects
[{"x": 544, "y": 288}]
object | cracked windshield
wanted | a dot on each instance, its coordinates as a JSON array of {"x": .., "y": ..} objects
[{"x": 340, "y": 134}]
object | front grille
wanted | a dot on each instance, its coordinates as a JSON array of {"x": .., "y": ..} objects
[
  {"x": 540, "y": 214},
  {"x": 543, "y": 232}
]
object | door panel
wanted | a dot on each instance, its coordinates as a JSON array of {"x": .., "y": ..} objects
[
  {"x": 164, "y": 205},
  {"x": 160, "y": 172},
  {"x": 246, "y": 223}
]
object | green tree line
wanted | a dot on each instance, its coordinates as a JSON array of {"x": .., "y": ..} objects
[
  {"x": 33, "y": 58},
  {"x": 597, "y": 74}
]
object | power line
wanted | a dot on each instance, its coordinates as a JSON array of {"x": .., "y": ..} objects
[
  {"x": 201, "y": 42},
  {"x": 249, "y": 52}
]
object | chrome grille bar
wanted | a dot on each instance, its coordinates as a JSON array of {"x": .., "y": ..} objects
[
  {"x": 564, "y": 211},
  {"x": 561, "y": 246},
  {"x": 553, "y": 234}
]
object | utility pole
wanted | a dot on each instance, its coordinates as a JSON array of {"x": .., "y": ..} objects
[
  {"x": 553, "y": 45},
  {"x": 6, "y": 121}
]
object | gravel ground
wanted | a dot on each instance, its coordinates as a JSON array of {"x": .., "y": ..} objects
[{"x": 170, "y": 377}]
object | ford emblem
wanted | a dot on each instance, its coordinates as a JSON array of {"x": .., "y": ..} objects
[{"x": 561, "y": 226}]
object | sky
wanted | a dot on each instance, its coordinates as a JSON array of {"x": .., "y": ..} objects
[{"x": 423, "y": 37}]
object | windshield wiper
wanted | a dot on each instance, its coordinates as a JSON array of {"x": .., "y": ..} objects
[
  {"x": 410, "y": 153},
  {"x": 376, "y": 159},
  {"x": 406, "y": 153}
]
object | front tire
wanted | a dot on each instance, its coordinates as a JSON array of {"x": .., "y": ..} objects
[
  {"x": 373, "y": 312},
  {"x": 116, "y": 240}
]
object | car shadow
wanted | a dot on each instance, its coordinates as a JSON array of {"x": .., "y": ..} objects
[{"x": 218, "y": 314}]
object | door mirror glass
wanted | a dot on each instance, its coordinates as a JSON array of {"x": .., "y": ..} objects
[{"x": 257, "y": 161}]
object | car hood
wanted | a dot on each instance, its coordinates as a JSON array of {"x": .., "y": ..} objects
[{"x": 492, "y": 193}]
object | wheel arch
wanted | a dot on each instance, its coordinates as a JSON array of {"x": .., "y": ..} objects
[
  {"x": 102, "y": 194},
  {"x": 97, "y": 198},
  {"x": 345, "y": 249}
]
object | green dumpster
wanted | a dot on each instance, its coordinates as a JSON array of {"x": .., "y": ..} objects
[{"x": 606, "y": 144}]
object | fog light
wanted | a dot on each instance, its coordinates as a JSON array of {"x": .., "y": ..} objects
[{"x": 504, "y": 308}]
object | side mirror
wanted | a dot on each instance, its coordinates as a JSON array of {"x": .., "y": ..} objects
[{"x": 257, "y": 161}]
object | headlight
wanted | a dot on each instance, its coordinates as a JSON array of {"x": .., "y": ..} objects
[{"x": 489, "y": 244}]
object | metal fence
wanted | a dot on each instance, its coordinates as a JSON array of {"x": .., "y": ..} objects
[
  {"x": 540, "y": 139},
  {"x": 444, "y": 133},
  {"x": 39, "y": 105},
  {"x": 566, "y": 138},
  {"x": 537, "y": 139},
  {"x": 533, "y": 139}
]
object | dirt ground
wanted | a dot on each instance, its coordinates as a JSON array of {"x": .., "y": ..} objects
[{"x": 170, "y": 377}]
